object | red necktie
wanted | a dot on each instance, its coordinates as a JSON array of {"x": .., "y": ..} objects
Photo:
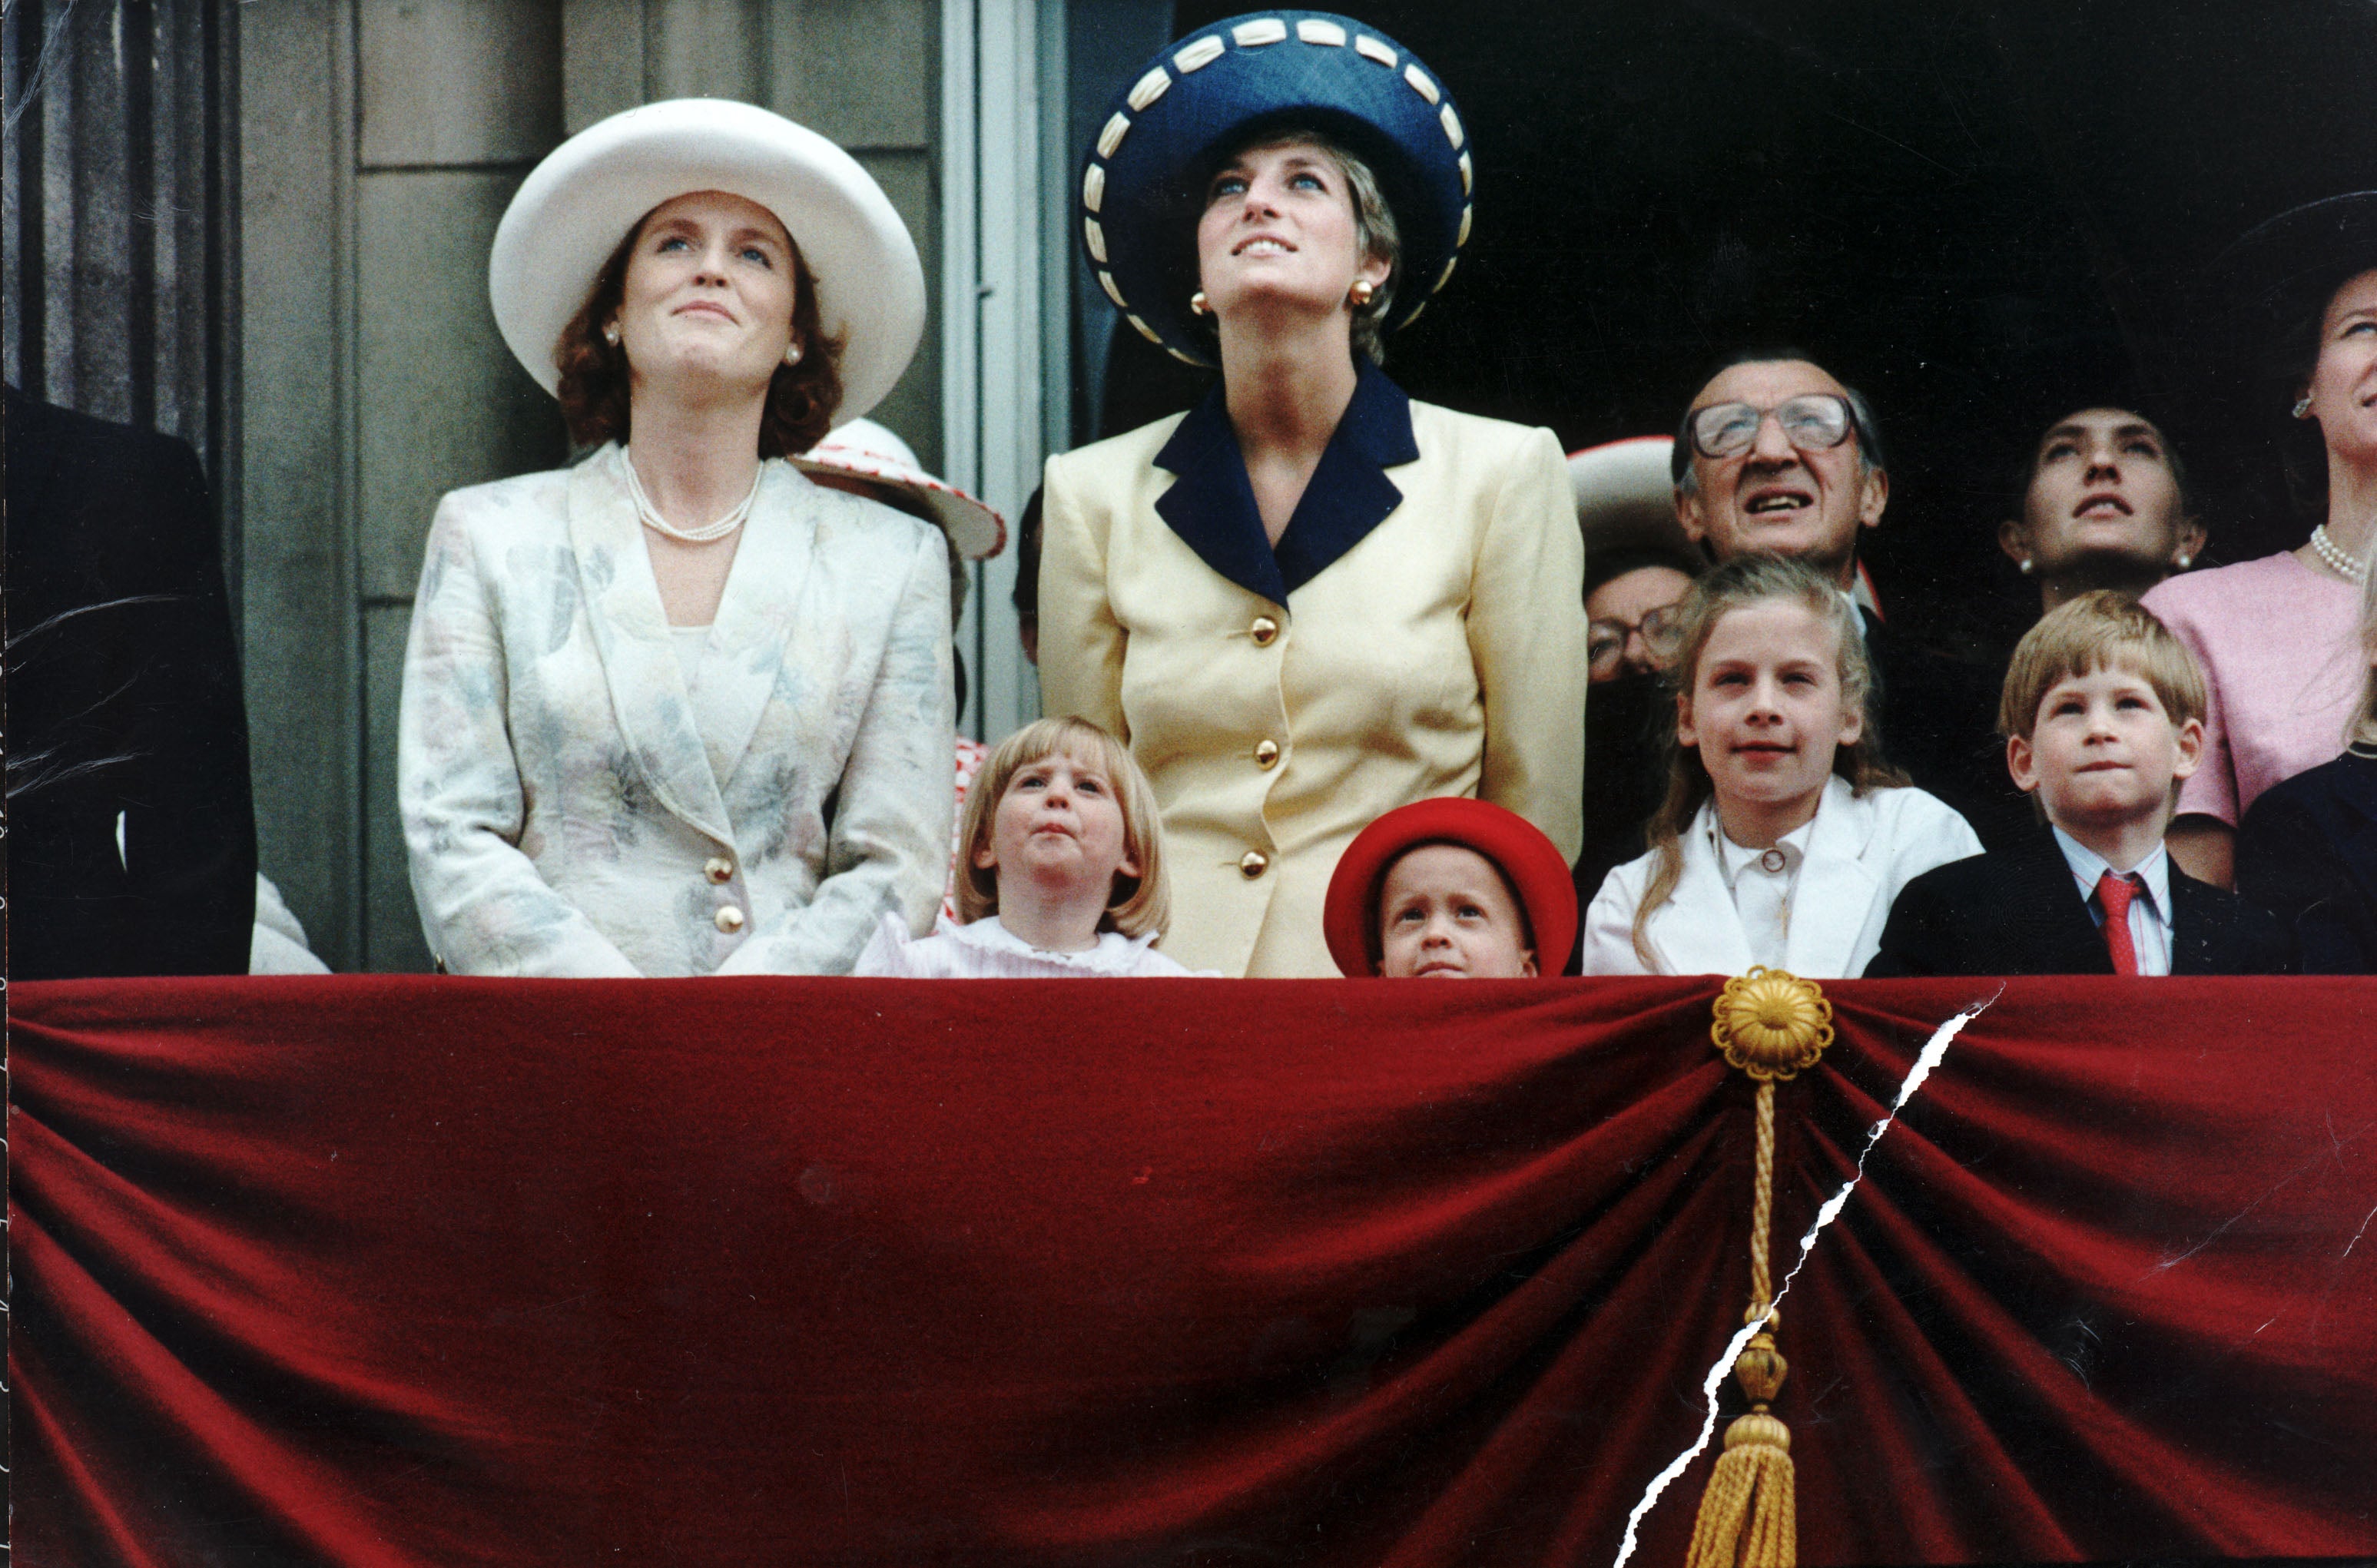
[{"x": 2115, "y": 892}]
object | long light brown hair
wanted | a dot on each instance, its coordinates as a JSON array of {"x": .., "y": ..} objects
[{"x": 1738, "y": 584}]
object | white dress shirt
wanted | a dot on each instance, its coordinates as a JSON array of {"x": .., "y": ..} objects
[
  {"x": 1762, "y": 881},
  {"x": 2149, "y": 912},
  {"x": 986, "y": 950}
]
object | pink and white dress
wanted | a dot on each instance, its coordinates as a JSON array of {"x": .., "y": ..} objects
[
  {"x": 988, "y": 951},
  {"x": 2279, "y": 646}
]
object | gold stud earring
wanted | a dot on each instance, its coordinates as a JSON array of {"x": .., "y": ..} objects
[
  {"x": 611, "y": 333},
  {"x": 792, "y": 353},
  {"x": 1363, "y": 292},
  {"x": 2303, "y": 407},
  {"x": 1197, "y": 306}
]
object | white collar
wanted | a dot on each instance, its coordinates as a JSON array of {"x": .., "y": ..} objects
[
  {"x": 1114, "y": 953},
  {"x": 2088, "y": 868},
  {"x": 1732, "y": 859}
]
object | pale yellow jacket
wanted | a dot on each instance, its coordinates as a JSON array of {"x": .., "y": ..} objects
[{"x": 1429, "y": 644}]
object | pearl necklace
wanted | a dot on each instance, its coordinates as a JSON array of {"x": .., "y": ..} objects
[
  {"x": 2350, "y": 568},
  {"x": 707, "y": 532}
]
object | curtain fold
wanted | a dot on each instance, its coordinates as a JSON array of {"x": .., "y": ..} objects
[{"x": 400, "y": 1271}]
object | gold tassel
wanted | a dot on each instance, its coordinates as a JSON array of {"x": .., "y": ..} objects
[
  {"x": 1748, "y": 1518},
  {"x": 1772, "y": 1025}
]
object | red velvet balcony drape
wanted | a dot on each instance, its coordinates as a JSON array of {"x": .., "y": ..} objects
[{"x": 418, "y": 1271}]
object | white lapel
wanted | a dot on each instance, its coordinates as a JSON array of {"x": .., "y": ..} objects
[
  {"x": 1836, "y": 889},
  {"x": 753, "y": 631},
  {"x": 1699, "y": 932},
  {"x": 632, "y": 638}
]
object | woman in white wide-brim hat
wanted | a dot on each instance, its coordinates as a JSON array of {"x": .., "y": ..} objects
[{"x": 678, "y": 709}]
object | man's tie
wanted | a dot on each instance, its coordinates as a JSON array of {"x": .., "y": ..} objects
[{"x": 2115, "y": 892}]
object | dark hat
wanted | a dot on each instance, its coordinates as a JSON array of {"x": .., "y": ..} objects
[
  {"x": 2304, "y": 250},
  {"x": 1350, "y": 916},
  {"x": 1223, "y": 83}
]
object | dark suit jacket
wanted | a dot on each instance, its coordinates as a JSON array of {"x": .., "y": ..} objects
[
  {"x": 2018, "y": 912},
  {"x": 123, "y": 703},
  {"x": 1937, "y": 715},
  {"x": 2308, "y": 853}
]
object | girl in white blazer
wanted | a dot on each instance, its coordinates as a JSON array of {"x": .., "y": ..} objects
[
  {"x": 1784, "y": 838},
  {"x": 678, "y": 709}
]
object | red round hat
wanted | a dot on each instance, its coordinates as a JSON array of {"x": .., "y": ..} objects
[{"x": 1349, "y": 919}]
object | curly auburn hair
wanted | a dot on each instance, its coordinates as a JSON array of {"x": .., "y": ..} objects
[{"x": 801, "y": 399}]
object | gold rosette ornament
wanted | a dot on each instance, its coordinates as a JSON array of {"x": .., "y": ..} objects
[
  {"x": 1772, "y": 1024},
  {"x": 1773, "y": 1027}
]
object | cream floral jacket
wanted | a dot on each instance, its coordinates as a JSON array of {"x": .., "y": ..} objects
[{"x": 572, "y": 808}]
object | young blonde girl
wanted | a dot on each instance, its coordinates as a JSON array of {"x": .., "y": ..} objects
[
  {"x": 1060, "y": 869},
  {"x": 1784, "y": 836}
]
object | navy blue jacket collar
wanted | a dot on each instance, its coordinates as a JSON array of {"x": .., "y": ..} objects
[{"x": 1212, "y": 505}]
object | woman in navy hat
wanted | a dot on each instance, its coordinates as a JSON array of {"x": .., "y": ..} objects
[
  {"x": 2278, "y": 637},
  {"x": 1310, "y": 599}
]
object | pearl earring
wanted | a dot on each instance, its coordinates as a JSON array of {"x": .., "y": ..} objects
[
  {"x": 611, "y": 333},
  {"x": 2023, "y": 566},
  {"x": 2184, "y": 561},
  {"x": 792, "y": 353},
  {"x": 1197, "y": 306},
  {"x": 1363, "y": 292},
  {"x": 2302, "y": 408}
]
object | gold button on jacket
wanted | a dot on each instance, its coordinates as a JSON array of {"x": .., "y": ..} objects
[
  {"x": 1266, "y": 753},
  {"x": 1251, "y": 864},
  {"x": 718, "y": 868},
  {"x": 1464, "y": 602},
  {"x": 1263, "y": 630},
  {"x": 730, "y": 919}
]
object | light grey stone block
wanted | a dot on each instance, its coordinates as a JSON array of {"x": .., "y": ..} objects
[
  {"x": 601, "y": 60},
  {"x": 299, "y": 604},
  {"x": 703, "y": 49},
  {"x": 452, "y": 82},
  {"x": 862, "y": 72},
  {"x": 392, "y": 939},
  {"x": 441, "y": 403},
  {"x": 913, "y": 407}
]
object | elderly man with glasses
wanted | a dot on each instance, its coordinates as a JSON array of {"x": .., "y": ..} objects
[{"x": 1777, "y": 457}]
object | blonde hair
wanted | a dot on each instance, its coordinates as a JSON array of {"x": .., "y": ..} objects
[
  {"x": 1738, "y": 584},
  {"x": 2102, "y": 631},
  {"x": 1141, "y": 905}
]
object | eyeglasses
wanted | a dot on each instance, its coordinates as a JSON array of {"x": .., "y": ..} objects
[
  {"x": 1812, "y": 421},
  {"x": 1604, "y": 640}
]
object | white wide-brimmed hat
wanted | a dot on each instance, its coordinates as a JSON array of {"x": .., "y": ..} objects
[
  {"x": 866, "y": 451},
  {"x": 575, "y": 208},
  {"x": 1625, "y": 498}
]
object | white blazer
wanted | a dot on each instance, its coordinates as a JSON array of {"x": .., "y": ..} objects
[
  {"x": 572, "y": 808},
  {"x": 1861, "y": 850}
]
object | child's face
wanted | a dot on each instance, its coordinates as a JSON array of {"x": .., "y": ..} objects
[
  {"x": 2103, "y": 751},
  {"x": 1059, "y": 822},
  {"x": 1765, "y": 709},
  {"x": 1445, "y": 914}
]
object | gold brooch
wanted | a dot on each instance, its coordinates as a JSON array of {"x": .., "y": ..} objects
[{"x": 1772, "y": 1024}]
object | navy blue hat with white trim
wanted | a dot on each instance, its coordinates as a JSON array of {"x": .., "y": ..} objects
[{"x": 1207, "y": 93}]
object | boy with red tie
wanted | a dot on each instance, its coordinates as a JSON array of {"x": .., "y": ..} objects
[{"x": 2103, "y": 715}]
